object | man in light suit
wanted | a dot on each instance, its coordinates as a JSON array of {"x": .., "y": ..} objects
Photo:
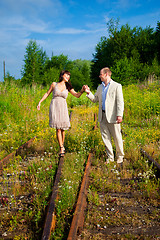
[{"x": 111, "y": 106}]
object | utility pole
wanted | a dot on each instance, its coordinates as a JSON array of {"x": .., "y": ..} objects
[{"x": 4, "y": 69}]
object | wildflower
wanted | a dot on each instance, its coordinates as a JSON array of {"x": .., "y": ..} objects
[{"x": 4, "y": 234}]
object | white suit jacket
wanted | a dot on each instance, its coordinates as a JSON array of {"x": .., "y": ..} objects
[{"x": 114, "y": 103}]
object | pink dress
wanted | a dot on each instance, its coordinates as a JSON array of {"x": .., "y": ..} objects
[{"x": 58, "y": 110}]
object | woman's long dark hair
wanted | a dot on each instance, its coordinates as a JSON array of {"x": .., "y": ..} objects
[{"x": 68, "y": 84}]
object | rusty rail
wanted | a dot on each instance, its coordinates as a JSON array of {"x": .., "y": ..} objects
[
  {"x": 78, "y": 218},
  {"x": 16, "y": 152},
  {"x": 51, "y": 218},
  {"x": 144, "y": 153}
]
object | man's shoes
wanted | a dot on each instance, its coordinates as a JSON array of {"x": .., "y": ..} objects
[
  {"x": 109, "y": 160},
  {"x": 120, "y": 159}
]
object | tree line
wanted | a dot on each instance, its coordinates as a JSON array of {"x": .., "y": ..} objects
[
  {"x": 132, "y": 55},
  {"x": 39, "y": 69}
]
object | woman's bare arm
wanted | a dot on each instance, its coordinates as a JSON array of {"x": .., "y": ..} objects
[
  {"x": 77, "y": 94},
  {"x": 46, "y": 95}
]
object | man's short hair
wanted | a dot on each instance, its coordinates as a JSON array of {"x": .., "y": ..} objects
[{"x": 107, "y": 70}]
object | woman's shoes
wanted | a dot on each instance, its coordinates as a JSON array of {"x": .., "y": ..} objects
[{"x": 62, "y": 151}]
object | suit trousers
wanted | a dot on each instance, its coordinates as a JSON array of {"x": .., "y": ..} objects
[{"x": 109, "y": 130}]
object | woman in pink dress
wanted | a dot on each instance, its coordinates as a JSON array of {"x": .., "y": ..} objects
[{"x": 58, "y": 111}]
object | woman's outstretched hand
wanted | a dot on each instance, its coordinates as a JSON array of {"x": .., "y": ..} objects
[{"x": 38, "y": 106}]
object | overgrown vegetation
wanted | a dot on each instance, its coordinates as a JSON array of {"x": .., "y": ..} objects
[{"x": 21, "y": 121}]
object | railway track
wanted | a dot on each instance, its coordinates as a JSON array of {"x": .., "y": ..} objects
[
  {"x": 101, "y": 209},
  {"x": 118, "y": 205}
]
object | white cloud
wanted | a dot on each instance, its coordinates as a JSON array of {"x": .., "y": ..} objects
[
  {"x": 88, "y": 28},
  {"x": 69, "y": 31}
]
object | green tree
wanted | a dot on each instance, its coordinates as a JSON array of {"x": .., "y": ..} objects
[
  {"x": 60, "y": 62},
  {"x": 79, "y": 69},
  {"x": 127, "y": 71},
  {"x": 51, "y": 75},
  {"x": 54, "y": 66},
  {"x": 143, "y": 42},
  {"x": 157, "y": 40},
  {"x": 80, "y": 73},
  {"x": 34, "y": 63},
  {"x": 127, "y": 50}
]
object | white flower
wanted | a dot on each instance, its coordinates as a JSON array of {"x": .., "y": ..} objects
[{"x": 4, "y": 234}]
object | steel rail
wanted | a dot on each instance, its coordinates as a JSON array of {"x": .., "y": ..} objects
[
  {"x": 78, "y": 218},
  {"x": 6, "y": 159},
  {"x": 50, "y": 220},
  {"x": 151, "y": 159}
]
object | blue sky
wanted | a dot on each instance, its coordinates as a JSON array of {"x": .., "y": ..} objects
[{"x": 64, "y": 26}]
